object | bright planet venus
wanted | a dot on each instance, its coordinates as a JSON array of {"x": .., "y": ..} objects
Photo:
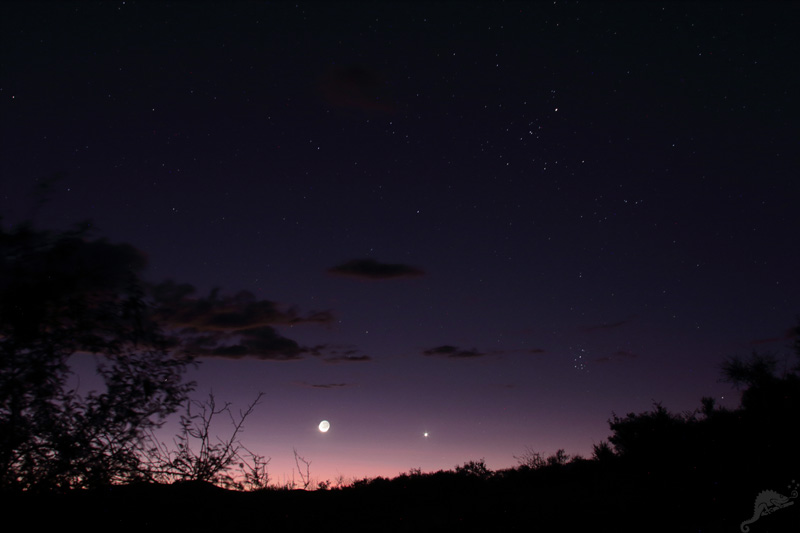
[{"x": 324, "y": 426}]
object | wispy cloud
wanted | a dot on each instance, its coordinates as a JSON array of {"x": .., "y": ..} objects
[
  {"x": 347, "y": 359},
  {"x": 258, "y": 343},
  {"x": 333, "y": 354},
  {"x": 453, "y": 352},
  {"x": 371, "y": 269},
  {"x": 178, "y": 307},
  {"x": 322, "y": 385}
]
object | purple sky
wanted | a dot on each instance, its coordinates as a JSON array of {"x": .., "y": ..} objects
[{"x": 495, "y": 223}]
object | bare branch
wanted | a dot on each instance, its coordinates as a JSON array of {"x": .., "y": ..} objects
[
  {"x": 305, "y": 477},
  {"x": 197, "y": 457}
]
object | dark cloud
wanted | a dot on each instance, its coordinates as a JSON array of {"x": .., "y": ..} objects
[
  {"x": 258, "y": 343},
  {"x": 348, "y": 359},
  {"x": 333, "y": 354},
  {"x": 342, "y": 351},
  {"x": 318, "y": 350},
  {"x": 356, "y": 87},
  {"x": 453, "y": 352},
  {"x": 232, "y": 327},
  {"x": 328, "y": 385},
  {"x": 371, "y": 269},
  {"x": 177, "y": 307},
  {"x": 536, "y": 351}
]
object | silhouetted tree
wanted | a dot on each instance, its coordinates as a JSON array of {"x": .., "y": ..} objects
[
  {"x": 560, "y": 458},
  {"x": 708, "y": 405},
  {"x": 756, "y": 371},
  {"x": 765, "y": 393},
  {"x": 65, "y": 297}
]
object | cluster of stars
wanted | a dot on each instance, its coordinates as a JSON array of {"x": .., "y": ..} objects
[{"x": 579, "y": 362}]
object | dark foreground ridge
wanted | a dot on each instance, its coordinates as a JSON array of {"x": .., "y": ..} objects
[{"x": 667, "y": 472}]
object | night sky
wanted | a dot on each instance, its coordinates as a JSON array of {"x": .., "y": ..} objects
[{"x": 496, "y": 223}]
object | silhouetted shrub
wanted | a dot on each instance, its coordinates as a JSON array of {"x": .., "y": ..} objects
[
  {"x": 530, "y": 458},
  {"x": 655, "y": 433},
  {"x": 202, "y": 457},
  {"x": 602, "y": 452},
  {"x": 475, "y": 469}
]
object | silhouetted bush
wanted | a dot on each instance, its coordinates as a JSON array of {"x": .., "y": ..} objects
[
  {"x": 202, "y": 457},
  {"x": 475, "y": 469}
]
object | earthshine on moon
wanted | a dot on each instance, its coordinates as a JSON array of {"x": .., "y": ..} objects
[{"x": 324, "y": 426}]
